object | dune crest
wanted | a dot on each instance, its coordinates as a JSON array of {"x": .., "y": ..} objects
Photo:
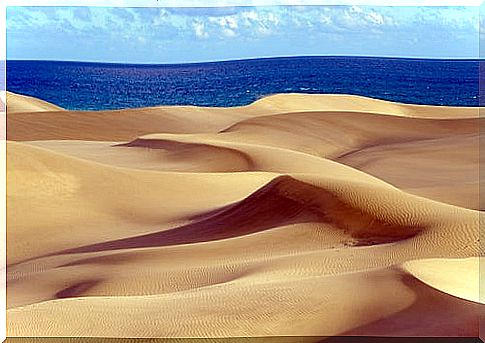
[
  {"x": 17, "y": 103},
  {"x": 457, "y": 277},
  {"x": 281, "y": 202}
]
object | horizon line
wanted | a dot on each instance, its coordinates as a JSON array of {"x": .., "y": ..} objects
[{"x": 247, "y": 59}]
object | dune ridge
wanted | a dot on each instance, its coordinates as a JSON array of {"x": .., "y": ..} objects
[
  {"x": 281, "y": 202},
  {"x": 297, "y": 215},
  {"x": 128, "y": 124},
  {"x": 18, "y": 103}
]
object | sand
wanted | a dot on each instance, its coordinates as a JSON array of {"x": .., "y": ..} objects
[
  {"x": 18, "y": 103},
  {"x": 297, "y": 215}
]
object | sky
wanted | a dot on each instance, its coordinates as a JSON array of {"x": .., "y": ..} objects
[{"x": 178, "y": 35}]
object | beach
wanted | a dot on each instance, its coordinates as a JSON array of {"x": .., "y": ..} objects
[{"x": 296, "y": 215}]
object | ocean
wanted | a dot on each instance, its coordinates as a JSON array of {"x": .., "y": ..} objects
[{"x": 97, "y": 86}]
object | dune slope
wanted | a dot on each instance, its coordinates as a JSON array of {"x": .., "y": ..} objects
[{"x": 18, "y": 103}]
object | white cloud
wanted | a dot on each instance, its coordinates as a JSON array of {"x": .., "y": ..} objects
[
  {"x": 375, "y": 18},
  {"x": 264, "y": 21},
  {"x": 250, "y": 16},
  {"x": 361, "y": 18},
  {"x": 161, "y": 24},
  {"x": 199, "y": 30},
  {"x": 161, "y": 18},
  {"x": 229, "y": 22},
  {"x": 261, "y": 21}
]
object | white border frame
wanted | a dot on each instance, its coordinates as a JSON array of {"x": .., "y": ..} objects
[{"x": 141, "y": 3}]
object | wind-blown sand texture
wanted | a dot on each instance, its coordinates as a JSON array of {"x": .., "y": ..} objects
[{"x": 304, "y": 215}]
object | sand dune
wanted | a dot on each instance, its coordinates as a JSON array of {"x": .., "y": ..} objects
[
  {"x": 451, "y": 276},
  {"x": 130, "y": 123},
  {"x": 18, "y": 103},
  {"x": 58, "y": 193},
  {"x": 296, "y": 215},
  {"x": 370, "y": 142},
  {"x": 281, "y": 103}
]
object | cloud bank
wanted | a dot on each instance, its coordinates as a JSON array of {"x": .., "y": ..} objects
[{"x": 170, "y": 35}]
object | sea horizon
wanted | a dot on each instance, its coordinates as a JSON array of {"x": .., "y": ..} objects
[
  {"x": 82, "y": 85},
  {"x": 423, "y": 58}
]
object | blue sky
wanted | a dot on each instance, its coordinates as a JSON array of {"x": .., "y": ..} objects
[{"x": 173, "y": 35}]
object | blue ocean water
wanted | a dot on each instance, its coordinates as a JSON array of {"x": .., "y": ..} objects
[{"x": 94, "y": 86}]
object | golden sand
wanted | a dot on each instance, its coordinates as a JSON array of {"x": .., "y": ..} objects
[{"x": 305, "y": 215}]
